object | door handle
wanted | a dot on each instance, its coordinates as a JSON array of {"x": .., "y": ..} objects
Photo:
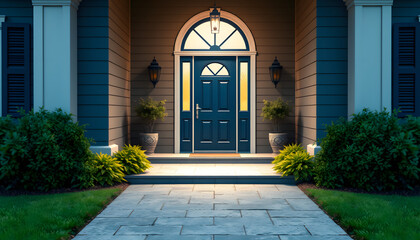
[{"x": 197, "y": 109}]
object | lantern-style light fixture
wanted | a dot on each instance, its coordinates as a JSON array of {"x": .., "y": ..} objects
[
  {"x": 154, "y": 72},
  {"x": 275, "y": 72},
  {"x": 215, "y": 19}
]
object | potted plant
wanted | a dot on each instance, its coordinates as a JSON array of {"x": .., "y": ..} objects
[
  {"x": 149, "y": 111},
  {"x": 276, "y": 111}
]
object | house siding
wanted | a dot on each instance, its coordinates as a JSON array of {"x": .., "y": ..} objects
[
  {"x": 405, "y": 11},
  {"x": 93, "y": 69},
  {"x": 153, "y": 35},
  {"x": 306, "y": 71},
  {"x": 17, "y": 11},
  {"x": 119, "y": 72},
  {"x": 331, "y": 66}
]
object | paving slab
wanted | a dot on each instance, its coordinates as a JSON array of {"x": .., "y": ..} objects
[
  {"x": 235, "y": 237},
  {"x": 212, "y": 212}
]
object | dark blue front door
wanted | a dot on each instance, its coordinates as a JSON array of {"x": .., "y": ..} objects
[{"x": 215, "y": 104}]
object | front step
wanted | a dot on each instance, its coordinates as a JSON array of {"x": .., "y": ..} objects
[
  {"x": 186, "y": 158},
  {"x": 210, "y": 173},
  {"x": 162, "y": 179}
]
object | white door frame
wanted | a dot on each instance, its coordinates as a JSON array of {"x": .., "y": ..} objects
[{"x": 252, "y": 53}]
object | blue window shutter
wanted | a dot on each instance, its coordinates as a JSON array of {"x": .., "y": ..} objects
[
  {"x": 16, "y": 68},
  {"x": 406, "y": 68}
]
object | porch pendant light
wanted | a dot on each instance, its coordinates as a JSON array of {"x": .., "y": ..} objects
[
  {"x": 275, "y": 72},
  {"x": 215, "y": 19},
  {"x": 154, "y": 72}
]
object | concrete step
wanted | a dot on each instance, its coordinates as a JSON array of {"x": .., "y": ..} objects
[
  {"x": 185, "y": 158},
  {"x": 210, "y": 173},
  {"x": 208, "y": 179}
]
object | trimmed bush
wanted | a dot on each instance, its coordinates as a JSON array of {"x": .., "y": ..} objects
[
  {"x": 298, "y": 164},
  {"x": 43, "y": 150},
  {"x": 372, "y": 151},
  {"x": 133, "y": 159},
  {"x": 289, "y": 149},
  {"x": 294, "y": 160},
  {"x": 106, "y": 170}
]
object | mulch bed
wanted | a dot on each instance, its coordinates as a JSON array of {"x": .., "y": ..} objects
[
  {"x": 402, "y": 192},
  {"x": 4, "y": 192}
]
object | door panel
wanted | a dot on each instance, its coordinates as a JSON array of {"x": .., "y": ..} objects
[{"x": 215, "y": 94}]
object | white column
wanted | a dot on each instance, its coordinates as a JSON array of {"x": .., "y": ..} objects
[
  {"x": 55, "y": 54},
  {"x": 2, "y": 19},
  {"x": 369, "y": 54}
]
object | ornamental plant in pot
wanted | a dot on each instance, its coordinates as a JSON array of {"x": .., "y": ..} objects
[
  {"x": 276, "y": 111},
  {"x": 149, "y": 111}
]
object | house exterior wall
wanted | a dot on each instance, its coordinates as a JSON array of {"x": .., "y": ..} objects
[
  {"x": 155, "y": 25},
  {"x": 119, "y": 72},
  {"x": 405, "y": 11},
  {"x": 306, "y": 70},
  {"x": 17, "y": 11},
  {"x": 103, "y": 70},
  {"x": 93, "y": 69},
  {"x": 331, "y": 77}
]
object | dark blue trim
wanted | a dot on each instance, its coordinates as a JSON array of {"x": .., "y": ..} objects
[
  {"x": 244, "y": 129},
  {"x": 186, "y": 116},
  {"x": 214, "y": 47}
]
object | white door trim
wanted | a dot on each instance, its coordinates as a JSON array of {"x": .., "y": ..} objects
[{"x": 177, "y": 77}]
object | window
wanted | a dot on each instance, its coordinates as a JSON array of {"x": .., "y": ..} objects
[
  {"x": 243, "y": 81},
  {"x": 200, "y": 38},
  {"x": 186, "y": 86},
  {"x": 215, "y": 69}
]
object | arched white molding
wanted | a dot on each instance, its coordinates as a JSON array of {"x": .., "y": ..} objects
[
  {"x": 177, "y": 81},
  {"x": 223, "y": 14}
]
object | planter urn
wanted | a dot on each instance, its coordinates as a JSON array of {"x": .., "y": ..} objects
[
  {"x": 277, "y": 141},
  {"x": 148, "y": 142}
]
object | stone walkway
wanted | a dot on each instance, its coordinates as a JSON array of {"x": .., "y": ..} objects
[{"x": 212, "y": 212}]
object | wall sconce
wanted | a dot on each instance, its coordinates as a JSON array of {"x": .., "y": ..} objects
[
  {"x": 275, "y": 72},
  {"x": 215, "y": 19},
  {"x": 154, "y": 72}
]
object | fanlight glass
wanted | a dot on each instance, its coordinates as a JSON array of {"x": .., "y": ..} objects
[
  {"x": 215, "y": 69},
  {"x": 228, "y": 38}
]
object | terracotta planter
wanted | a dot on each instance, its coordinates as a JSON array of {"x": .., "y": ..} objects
[
  {"x": 148, "y": 142},
  {"x": 277, "y": 141}
]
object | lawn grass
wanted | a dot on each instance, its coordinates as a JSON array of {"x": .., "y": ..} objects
[
  {"x": 371, "y": 216},
  {"x": 52, "y": 216}
]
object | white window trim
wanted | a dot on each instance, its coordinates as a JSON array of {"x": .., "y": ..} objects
[
  {"x": 177, "y": 79},
  {"x": 2, "y": 19}
]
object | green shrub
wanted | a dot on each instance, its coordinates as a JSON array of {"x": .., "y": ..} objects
[
  {"x": 299, "y": 164},
  {"x": 289, "y": 149},
  {"x": 275, "y": 111},
  {"x": 106, "y": 170},
  {"x": 43, "y": 150},
  {"x": 133, "y": 159},
  {"x": 372, "y": 151},
  {"x": 150, "y": 110},
  {"x": 294, "y": 160}
]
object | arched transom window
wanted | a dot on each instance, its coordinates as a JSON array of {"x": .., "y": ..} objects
[
  {"x": 215, "y": 69},
  {"x": 200, "y": 38}
]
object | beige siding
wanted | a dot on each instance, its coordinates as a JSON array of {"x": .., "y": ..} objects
[
  {"x": 305, "y": 65},
  {"x": 119, "y": 72},
  {"x": 155, "y": 25}
]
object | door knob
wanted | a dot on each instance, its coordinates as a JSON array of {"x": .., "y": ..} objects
[{"x": 197, "y": 109}]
